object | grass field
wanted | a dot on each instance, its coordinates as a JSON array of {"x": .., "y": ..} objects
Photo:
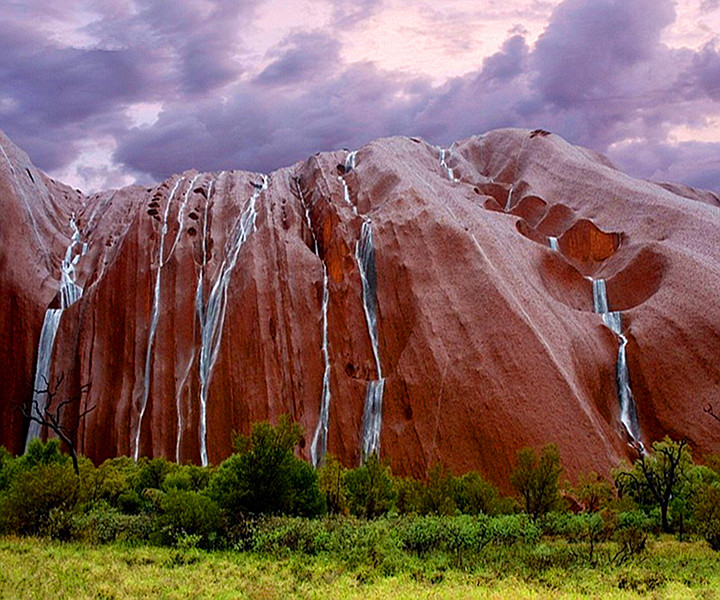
[{"x": 35, "y": 568}]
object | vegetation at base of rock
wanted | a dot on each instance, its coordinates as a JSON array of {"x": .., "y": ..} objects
[{"x": 264, "y": 498}]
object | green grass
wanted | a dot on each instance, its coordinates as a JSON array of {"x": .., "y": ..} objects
[{"x": 36, "y": 568}]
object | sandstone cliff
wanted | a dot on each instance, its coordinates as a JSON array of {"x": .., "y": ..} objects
[{"x": 437, "y": 304}]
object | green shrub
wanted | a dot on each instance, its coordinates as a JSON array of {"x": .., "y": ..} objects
[
  {"x": 463, "y": 533},
  {"x": 631, "y": 535},
  {"x": 438, "y": 497},
  {"x": 370, "y": 488},
  {"x": 113, "y": 479},
  {"x": 265, "y": 477},
  {"x": 331, "y": 482},
  {"x": 187, "y": 477},
  {"x": 707, "y": 515},
  {"x": 35, "y": 492},
  {"x": 511, "y": 529},
  {"x": 474, "y": 496},
  {"x": 7, "y": 468},
  {"x": 409, "y": 495},
  {"x": 536, "y": 480},
  {"x": 150, "y": 474},
  {"x": 186, "y": 513}
]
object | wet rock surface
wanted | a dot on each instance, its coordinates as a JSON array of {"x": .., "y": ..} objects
[{"x": 202, "y": 307}]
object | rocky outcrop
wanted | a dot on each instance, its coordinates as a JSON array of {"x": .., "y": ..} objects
[{"x": 213, "y": 300}]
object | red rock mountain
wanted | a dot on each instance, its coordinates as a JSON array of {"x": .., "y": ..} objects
[{"x": 446, "y": 305}]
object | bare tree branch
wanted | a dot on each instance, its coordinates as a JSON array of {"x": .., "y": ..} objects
[
  {"x": 52, "y": 416},
  {"x": 709, "y": 410}
]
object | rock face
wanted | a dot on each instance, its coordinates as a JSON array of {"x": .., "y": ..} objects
[{"x": 434, "y": 304}]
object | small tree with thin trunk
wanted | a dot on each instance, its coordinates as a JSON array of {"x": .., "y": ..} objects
[
  {"x": 52, "y": 415},
  {"x": 658, "y": 478},
  {"x": 536, "y": 480}
]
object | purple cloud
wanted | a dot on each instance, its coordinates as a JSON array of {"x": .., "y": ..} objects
[{"x": 598, "y": 75}]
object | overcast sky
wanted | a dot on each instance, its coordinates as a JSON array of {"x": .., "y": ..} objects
[{"x": 104, "y": 93}]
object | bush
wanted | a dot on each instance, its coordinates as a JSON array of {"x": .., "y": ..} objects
[
  {"x": 439, "y": 493},
  {"x": 476, "y": 496},
  {"x": 536, "y": 480},
  {"x": 34, "y": 493},
  {"x": 186, "y": 513},
  {"x": 707, "y": 515},
  {"x": 265, "y": 477},
  {"x": 426, "y": 534},
  {"x": 331, "y": 482},
  {"x": 370, "y": 488},
  {"x": 631, "y": 535}
]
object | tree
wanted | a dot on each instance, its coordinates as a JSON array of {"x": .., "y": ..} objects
[
  {"x": 370, "y": 488},
  {"x": 264, "y": 476},
  {"x": 656, "y": 479},
  {"x": 52, "y": 415},
  {"x": 536, "y": 480},
  {"x": 439, "y": 493},
  {"x": 709, "y": 410},
  {"x": 330, "y": 480},
  {"x": 476, "y": 496}
]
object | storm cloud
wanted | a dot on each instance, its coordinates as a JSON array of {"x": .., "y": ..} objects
[{"x": 600, "y": 75}]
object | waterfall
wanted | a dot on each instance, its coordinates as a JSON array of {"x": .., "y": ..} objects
[
  {"x": 42, "y": 369},
  {"x": 553, "y": 242},
  {"x": 155, "y": 315},
  {"x": 349, "y": 166},
  {"x": 372, "y": 413},
  {"x": 198, "y": 295},
  {"x": 613, "y": 320},
  {"x": 508, "y": 203},
  {"x": 318, "y": 447},
  {"x": 443, "y": 162},
  {"x": 70, "y": 292},
  {"x": 211, "y": 314}
]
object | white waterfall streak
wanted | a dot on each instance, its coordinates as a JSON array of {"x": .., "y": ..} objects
[
  {"x": 198, "y": 291},
  {"x": 613, "y": 320},
  {"x": 508, "y": 203},
  {"x": 372, "y": 413},
  {"x": 181, "y": 217},
  {"x": 70, "y": 292},
  {"x": 12, "y": 169},
  {"x": 349, "y": 166},
  {"x": 553, "y": 242},
  {"x": 443, "y": 162},
  {"x": 318, "y": 448},
  {"x": 212, "y": 314},
  {"x": 155, "y": 314},
  {"x": 42, "y": 369}
]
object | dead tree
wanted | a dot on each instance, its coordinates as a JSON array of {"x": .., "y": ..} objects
[
  {"x": 51, "y": 416},
  {"x": 709, "y": 410}
]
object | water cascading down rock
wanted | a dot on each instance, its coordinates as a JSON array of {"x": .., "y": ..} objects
[
  {"x": 70, "y": 292},
  {"x": 613, "y": 320},
  {"x": 473, "y": 340}
]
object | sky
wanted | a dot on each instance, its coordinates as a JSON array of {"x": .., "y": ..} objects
[{"x": 106, "y": 93}]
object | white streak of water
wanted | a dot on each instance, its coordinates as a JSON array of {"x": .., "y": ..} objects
[
  {"x": 349, "y": 166},
  {"x": 70, "y": 292},
  {"x": 372, "y": 413},
  {"x": 155, "y": 314},
  {"x": 318, "y": 447},
  {"x": 443, "y": 162},
  {"x": 553, "y": 242},
  {"x": 613, "y": 320},
  {"x": 212, "y": 314}
]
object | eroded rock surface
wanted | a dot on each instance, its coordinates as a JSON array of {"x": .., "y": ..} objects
[{"x": 202, "y": 303}]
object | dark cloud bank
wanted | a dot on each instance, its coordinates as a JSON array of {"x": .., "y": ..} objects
[{"x": 598, "y": 75}]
